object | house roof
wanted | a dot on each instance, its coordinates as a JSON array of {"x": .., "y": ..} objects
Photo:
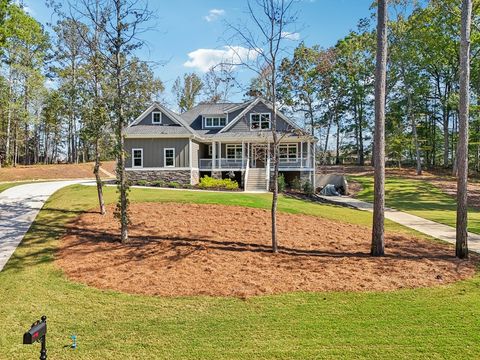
[
  {"x": 185, "y": 123},
  {"x": 207, "y": 109},
  {"x": 156, "y": 130}
]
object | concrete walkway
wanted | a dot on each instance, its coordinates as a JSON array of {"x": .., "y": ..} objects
[
  {"x": 19, "y": 207},
  {"x": 428, "y": 227}
]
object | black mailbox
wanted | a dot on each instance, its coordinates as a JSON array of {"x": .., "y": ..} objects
[{"x": 36, "y": 332}]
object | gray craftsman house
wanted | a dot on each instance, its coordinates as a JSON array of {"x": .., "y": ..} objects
[{"x": 219, "y": 140}]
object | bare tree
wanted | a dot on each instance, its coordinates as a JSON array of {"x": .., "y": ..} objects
[
  {"x": 378, "y": 232},
  {"x": 271, "y": 20},
  {"x": 120, "y": 23},
  {"x": 461, "y": 249},
  {"x": 218, "y": 82}
]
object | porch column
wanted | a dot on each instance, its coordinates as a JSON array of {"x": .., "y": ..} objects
[
  {"x": 301, "y": 154},
  {"x": 220, "y": 154},
  {"x": 214, "y": 154},
  {"x": 243, "y": 153},
  {"x": 308, "y": 153}
]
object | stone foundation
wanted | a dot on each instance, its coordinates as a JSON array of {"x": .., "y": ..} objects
[
  {"x": 216, "y": 174},
  {"x": 180, "y": 176},
  {"x": 195, "y": 177}
]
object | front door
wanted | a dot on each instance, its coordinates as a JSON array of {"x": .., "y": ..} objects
[{"x": 259, "y": 156}]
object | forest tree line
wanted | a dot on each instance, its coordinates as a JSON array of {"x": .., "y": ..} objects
[{"x": 47, "y": 87}]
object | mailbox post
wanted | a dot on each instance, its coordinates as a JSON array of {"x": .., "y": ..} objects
[{"x": 38, "y": 333}]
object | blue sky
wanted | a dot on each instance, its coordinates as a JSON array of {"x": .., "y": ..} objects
[{"x": 185, "y": 26}]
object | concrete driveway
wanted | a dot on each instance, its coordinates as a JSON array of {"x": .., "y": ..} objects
[{"x": 19, "y": 207}]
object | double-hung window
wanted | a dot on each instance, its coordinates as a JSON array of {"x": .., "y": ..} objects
[
  {"x": 288, "y": 152},
  {"x": 137, "y": 158},
  {"x": 156, "y": 117},
  {"x": 234, "y": 151},
  {"x": 169, "y": 157},
  {"x": 215, "y": 122},
  {"x": 260, "y": 121}
]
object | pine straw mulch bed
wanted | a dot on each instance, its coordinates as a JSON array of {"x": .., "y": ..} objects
[{"x": 193, "y": 249}]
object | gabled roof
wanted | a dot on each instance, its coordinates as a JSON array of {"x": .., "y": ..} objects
[
  {"x": 267, "y": 104},
  {"x": 208, "y": 109},
  {"x": 175, "y": 117}
]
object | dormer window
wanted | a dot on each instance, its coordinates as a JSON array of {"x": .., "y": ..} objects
[
  {"x": 214, "y": 122},
  {"x": 260, "y": 121},
  {"x": 156, "y": 117}
]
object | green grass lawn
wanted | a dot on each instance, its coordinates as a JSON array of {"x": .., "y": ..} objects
[
  {"x": 435, "y": 323},
  {"x": 419, "y": 197}
]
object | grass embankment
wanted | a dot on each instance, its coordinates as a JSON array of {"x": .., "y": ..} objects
[
  {"x": 439, "y": 323},
  {"x": 419, "y": 197}
]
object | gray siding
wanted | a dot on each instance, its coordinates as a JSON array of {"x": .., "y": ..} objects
[
  {"x": 153, "y": 151},
  {"x": 166, "y": 120},
  {"x": 244, "y": 123}
]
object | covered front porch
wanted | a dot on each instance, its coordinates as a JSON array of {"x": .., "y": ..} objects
[{"x": 231, "y": 156}]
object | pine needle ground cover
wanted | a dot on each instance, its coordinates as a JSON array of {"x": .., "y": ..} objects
[{"x": 439, "y": 322}]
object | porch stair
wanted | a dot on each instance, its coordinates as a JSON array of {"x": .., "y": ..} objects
[{"x": 256, "y": 180}]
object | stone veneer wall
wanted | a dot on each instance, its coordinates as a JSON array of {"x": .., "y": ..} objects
[
  {"x": 180, "y": 176},
  {"x": 195, "y": 178}
]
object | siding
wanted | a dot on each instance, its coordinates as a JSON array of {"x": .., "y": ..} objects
[
  {"x": 153, "y": 151},
  {"x": 244, "y": 123},
  {"x": 166, "y": 120}
]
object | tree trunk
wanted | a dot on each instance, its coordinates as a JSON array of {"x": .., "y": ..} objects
[
  {"x": 378, "y": 241},
  {"x": 96, "y": 171},
  {"x": 461, "y": 249}
]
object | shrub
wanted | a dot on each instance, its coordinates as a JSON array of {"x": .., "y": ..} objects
[
  {"x": 143, "y": 183},
  {"x": 208, "y": 182},
  {"x": 308, "y": 188},
  {"x": 281, "y": 183},
  {"x": 174, "y": 184},
  {"x": 158, "y": 183},
  {"x": 296, "y": 184}
]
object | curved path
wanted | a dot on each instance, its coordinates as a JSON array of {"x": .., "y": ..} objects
[
  {"x": 19, "y": 206},
  {"x": 428, "y": 227}
]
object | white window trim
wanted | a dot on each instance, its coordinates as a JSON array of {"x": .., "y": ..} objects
[
  {"x": 234, "y": 146},
  {"x": 165, "y": 157},
  {"x": 260, "y": 128},
  {"x": 289, "y": 146},
  {"x": 205, "y": 126},
  {"x": 133, "y": 158},
  {"x": 157, "y": 112}
]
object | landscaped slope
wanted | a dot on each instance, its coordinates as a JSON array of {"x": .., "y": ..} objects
[
  {"x": 440, "y": 322},
  {"x": 418, "y": 197}
]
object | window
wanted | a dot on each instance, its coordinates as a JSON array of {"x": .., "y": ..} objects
[
  {"x": 169, "y": 157},
  {"x": 137, "y": 158},
  {"x": 288, "y": 152},
  {"x": 156, "y": 117},
  {"x": 260, "y": 121},
  {"x": 234, "y": 151},
  {"x": 215, "y": 122},
  {"x": 210, "y": 147}
]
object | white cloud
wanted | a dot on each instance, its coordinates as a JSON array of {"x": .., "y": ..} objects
[
  {"x": 205, "y": 59},
  {"x": 295, "y": 36},
  {"x": 214, "y": 14}
]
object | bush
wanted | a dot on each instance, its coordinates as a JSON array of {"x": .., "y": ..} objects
[
  {"x": 281, "y": 183},
  {"x": 174, "y": 184},
  {"x": 208, "y": 182},
  {"x": 143, "y": 183},
  {"x": 296, "y": 184},
  {"x": 308, "y": 188},
  {"x": 159, "y": 183}
]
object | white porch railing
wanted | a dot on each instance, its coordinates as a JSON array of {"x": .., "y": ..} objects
[
  {"x": 223, "y": 163},
  {"x": 294, "y": 163}
]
